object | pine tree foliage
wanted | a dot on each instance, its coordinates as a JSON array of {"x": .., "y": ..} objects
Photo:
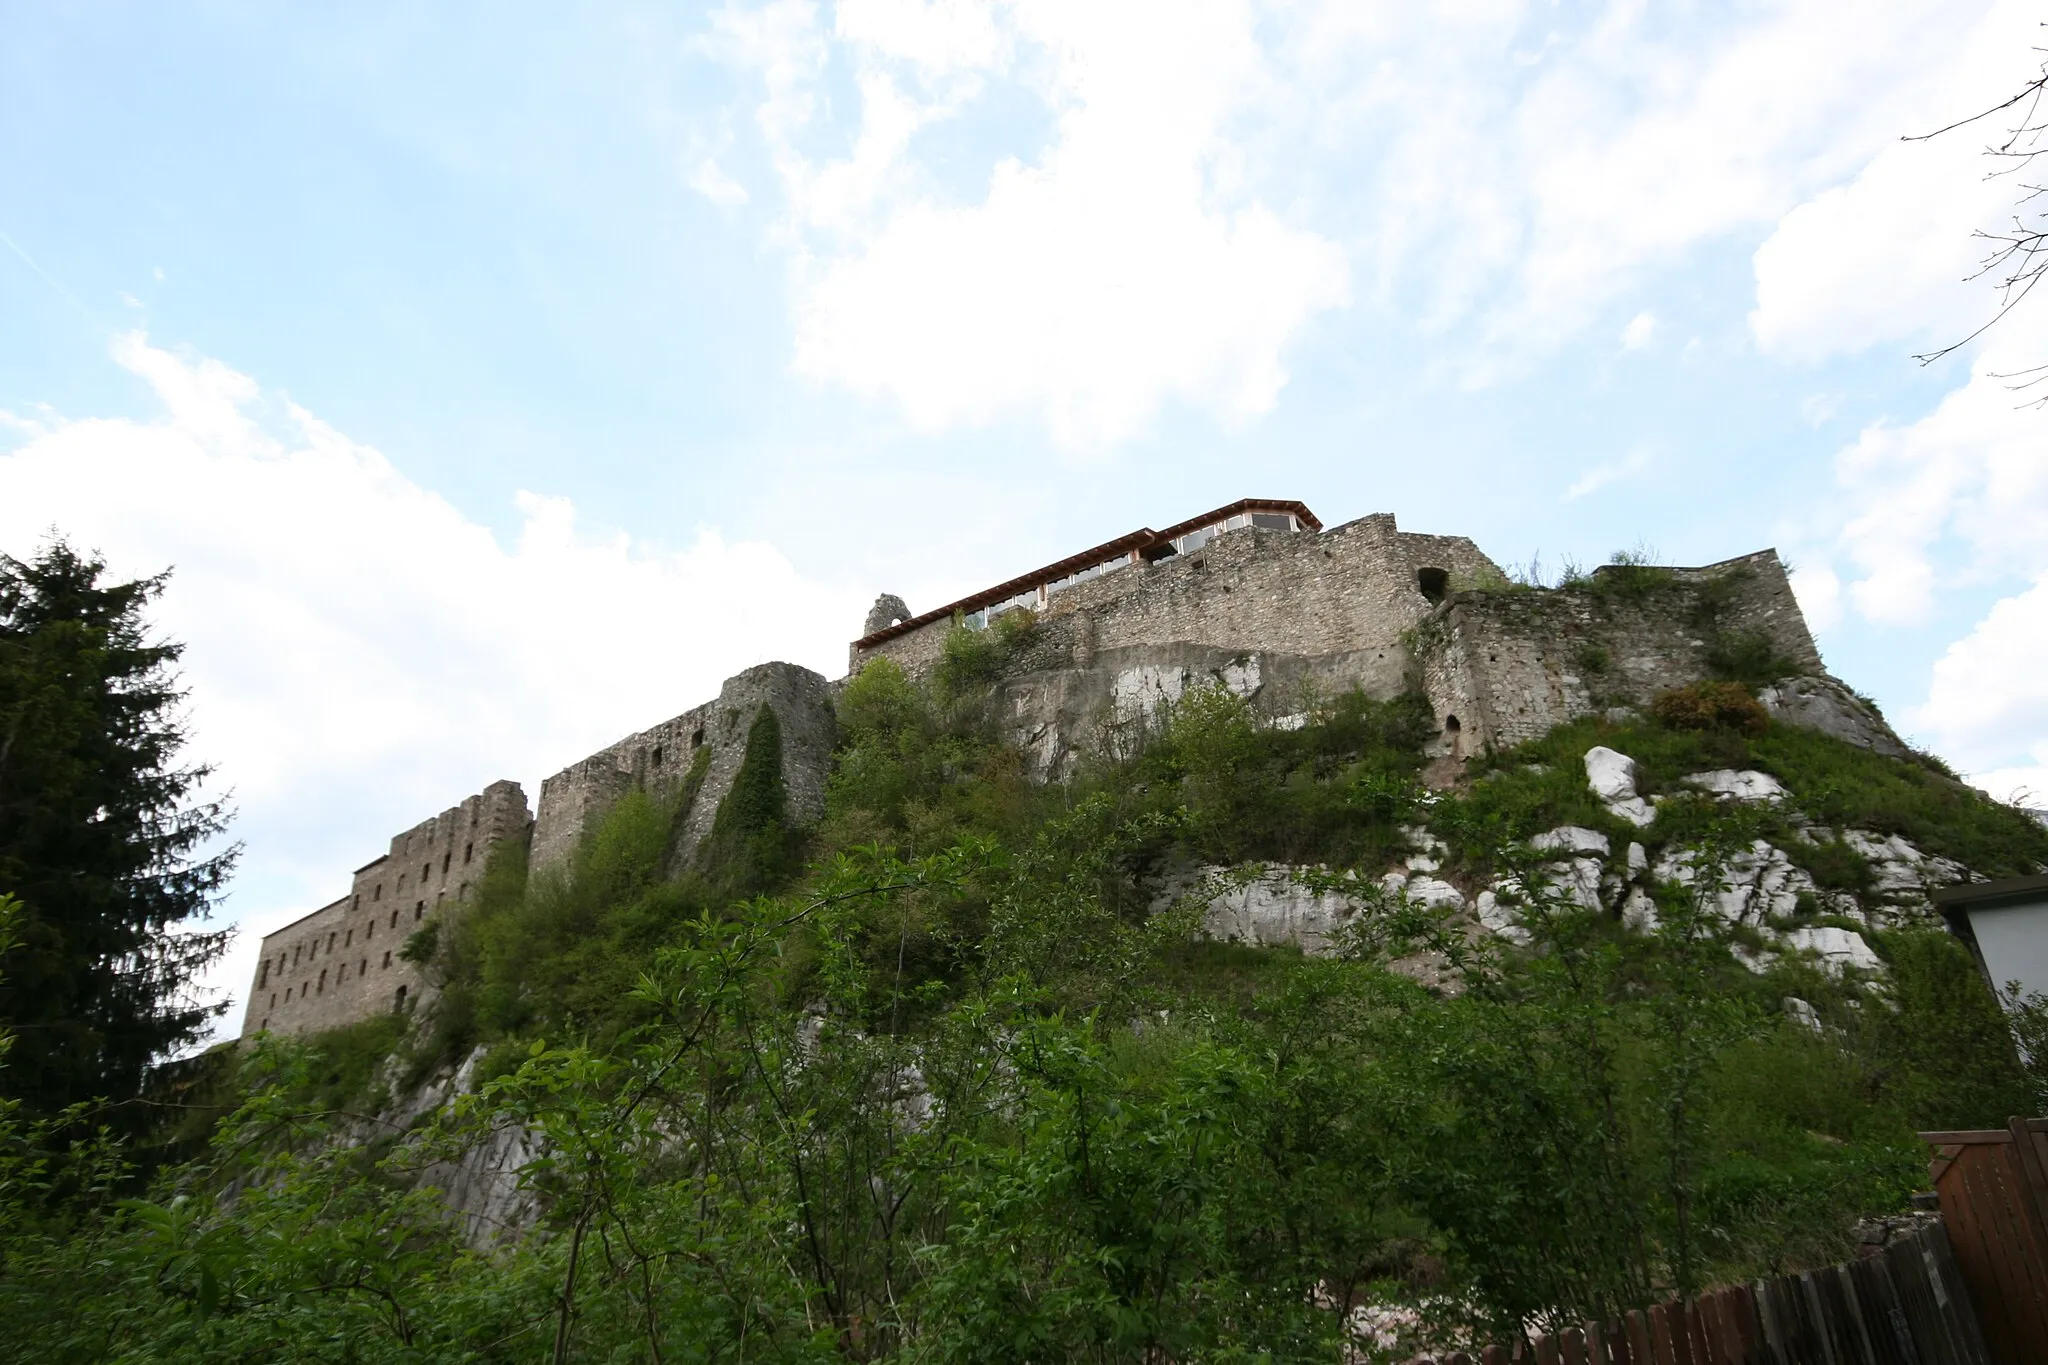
[{"x": 103, "y": 836}]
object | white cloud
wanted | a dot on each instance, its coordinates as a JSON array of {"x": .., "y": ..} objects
[
  {"x": 1121, "y": 267},
  {"x": 360, "y": 654},
  {"x": 1639, "y": 332},
  {"x": 1988, "y": 702},
  {"x": 2023, "y": 786},
  {"x": 1881, "y": 257},
  {"x": 1599, "y": 476},
  {"x": 1217, "y": 172},
  {"x": 1960, "y": 495},
  {"x": 1820, "y": 595}
]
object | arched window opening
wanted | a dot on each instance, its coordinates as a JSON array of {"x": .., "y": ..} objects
[
  {"x": 1451, "y": 726},
  {"x": 399, "y": 1003},
  {"x": 1433, "y": 583}
]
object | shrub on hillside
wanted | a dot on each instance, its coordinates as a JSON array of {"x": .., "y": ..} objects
[{"x": 1712, "y": 706}]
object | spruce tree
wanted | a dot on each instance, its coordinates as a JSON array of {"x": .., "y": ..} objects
[{"x": 101, "y": 836}]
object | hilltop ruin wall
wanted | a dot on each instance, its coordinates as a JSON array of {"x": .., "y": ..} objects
[
  {"x": 1271, "y": 614},
  {"x": 340, "y": 964},
  {"x": 661, "y": 760}
]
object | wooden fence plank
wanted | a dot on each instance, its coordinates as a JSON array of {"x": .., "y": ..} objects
[
  {"x": 1969, "y": 1339},
  {"x": 1776, "y": 1334},
  {"x": 1662, "y": 1344},
  {"x": 1856, "y": 1328},
  {"x": 1909, "y": 1268},
  {"x": 1635, "y": 1327}
]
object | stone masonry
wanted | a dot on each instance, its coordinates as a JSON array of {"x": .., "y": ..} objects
[
  {"x": 340, "y": 964},
  {"x": 1504, "y": 666},
  {"x": 708, "y": 741},
  {"x": 1255, "y": 597}
]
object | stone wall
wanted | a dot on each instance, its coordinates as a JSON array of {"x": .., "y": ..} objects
[
  {"x": 1501, "y": 667},
  {"x": 340, "y": 964},
  {"x": 1269, "y": 614},
  {"x": 1349, "y": 591},
  {"x": 662, "y": 759},
  {"x": 1272, "y": 615}
]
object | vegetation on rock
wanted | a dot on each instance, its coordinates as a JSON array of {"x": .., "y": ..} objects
[{"x": 948, "y": 1077}]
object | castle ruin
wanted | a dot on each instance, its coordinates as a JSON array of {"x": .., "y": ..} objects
[{"x": 1256, "y": 596}]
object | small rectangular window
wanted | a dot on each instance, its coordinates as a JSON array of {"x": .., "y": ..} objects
[
  {"x": 445, "y": 859},
  {"x": 263, "y": 974},
  {"x": 387, "y": 958},
  {"x": 363, "y": 966},
  {"x": 323, "y": 982},
  {"x": 349, "y": 938},
  {"x": 419, "y": 912},
  {"x": 330, "y": 942},
  {"x": 394, "y": 919},
  {"x": 287, "y": 995},
  {"x": 378, "y": 895},
  {"x": 468, "y": 852}
]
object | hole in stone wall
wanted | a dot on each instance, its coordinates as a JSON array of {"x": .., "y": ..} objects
[
  {"x": 1451, "y": 725},
  {"x": 399, "y": 1003},
  {"x": 1433, "y": 583},
  {"x": 697, "y": 739},
  {"x": 657, "y": 755}
]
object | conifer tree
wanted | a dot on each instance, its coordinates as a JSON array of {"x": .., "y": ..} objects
[{"x": 101, "y": 835}]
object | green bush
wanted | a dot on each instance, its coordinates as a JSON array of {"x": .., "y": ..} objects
[{"x": 1712, "y": 706}]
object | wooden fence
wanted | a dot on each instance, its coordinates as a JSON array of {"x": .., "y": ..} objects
[
  {"x": 1902, "y": 1306},
  {"x": 1970, "y": 1288},
  {"x": 1994, "y": 1198}
]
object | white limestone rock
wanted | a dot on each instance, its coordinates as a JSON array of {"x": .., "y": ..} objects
[
  {"x": 1836, "y": 948},
  {"x": 1898, "y": 869},
  {"x": 1273, "y": 909},
  {"x": 1571, "y": 839},
  {"x": 1746, "y": 784},
  {"x": 1638, "y": 861},
  {"x": 1823, "y": 704},
  {"x": 1435, "y": 892},
  {"x": 1639, "y": 911},
  {"x": 1610, "y": 773},
  {"x": 1501, "y": 917},
  {"x": 1803, "y": 1013},
  {"x": 1757, "y": 883},
  {"x": 1612, "y": 776}
]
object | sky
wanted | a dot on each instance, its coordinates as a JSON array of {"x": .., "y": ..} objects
[{"x": 497, "y": 379}]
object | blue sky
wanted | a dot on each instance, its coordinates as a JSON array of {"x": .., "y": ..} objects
[{"x": 500, "y": 378}]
